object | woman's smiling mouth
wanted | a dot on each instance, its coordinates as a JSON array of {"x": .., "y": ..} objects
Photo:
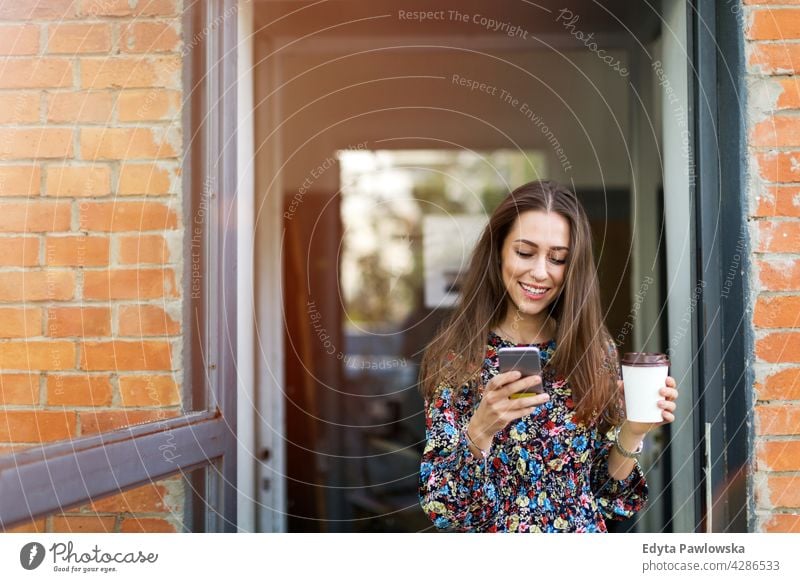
[{"x": 533, "y": 291}]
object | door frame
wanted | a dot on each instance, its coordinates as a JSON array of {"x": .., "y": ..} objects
[{"x": 724, "y": 377}]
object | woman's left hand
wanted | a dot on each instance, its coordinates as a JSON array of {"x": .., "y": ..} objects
[{"x": 667, "y": 405}]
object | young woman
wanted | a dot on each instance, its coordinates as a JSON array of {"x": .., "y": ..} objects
[{"x": 564, "y": 460}]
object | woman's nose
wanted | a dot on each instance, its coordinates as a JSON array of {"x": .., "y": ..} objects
[{"x": 539, "y": 269}]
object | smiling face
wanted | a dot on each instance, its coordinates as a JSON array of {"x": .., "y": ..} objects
[{"x": 533, "y": 260}]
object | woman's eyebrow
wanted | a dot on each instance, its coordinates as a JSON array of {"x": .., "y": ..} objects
[{"x": 537, "y": 246}]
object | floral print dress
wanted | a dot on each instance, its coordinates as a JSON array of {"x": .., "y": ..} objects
[{"x": 545, "y": 473}]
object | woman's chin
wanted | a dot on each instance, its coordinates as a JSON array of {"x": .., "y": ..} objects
[{"x": 532, "y": 307}]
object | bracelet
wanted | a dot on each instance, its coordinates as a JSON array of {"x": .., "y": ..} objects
[
  {"x": 484, "y": 454},
  {"x": 623, "y": 451}
]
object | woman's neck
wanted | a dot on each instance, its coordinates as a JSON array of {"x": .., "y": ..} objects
[{"x": 526, "y": 329}]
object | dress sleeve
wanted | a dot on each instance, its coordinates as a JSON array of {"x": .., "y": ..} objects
[
  {"x": 455, "y": 488},
  {"x": 617, "y": 499}
]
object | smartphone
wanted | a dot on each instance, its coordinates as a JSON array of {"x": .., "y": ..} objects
[{"x": 526, "y": 360}]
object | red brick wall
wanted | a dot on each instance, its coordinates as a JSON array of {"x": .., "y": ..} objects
[
  {"x": 90, "y": 290},
  {"x": 772, "y": 35}
]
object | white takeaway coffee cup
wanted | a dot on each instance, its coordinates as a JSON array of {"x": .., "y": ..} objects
[{"x": 644, "y": 374}]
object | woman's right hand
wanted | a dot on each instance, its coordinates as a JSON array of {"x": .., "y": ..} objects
[{"x": 496, "y": 409}]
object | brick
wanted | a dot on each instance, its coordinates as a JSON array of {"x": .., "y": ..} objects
[
  {"x": 789, "y": 97},
  {"x": 74, "y": 39},
  {"x": 777, "y": 131},
  {"x": 78, "y": 181},
  {"x": 37, "y": 286},
  {"x": 783, "y": 385},
  {"x": 149, "y": 37},
  {"x": 35, "y": 73},
  {"x": 146, "y": 320},
  {"x": 774, "y": 59},
  {"x": 37, "y": 143},
  {"x": 130, "y": 8},
  {"x": 779, "y": 456},
  {"x": 150, "y": 498},
  {"x": 24, "y": 426},
  {"x": 93, "y": 422},
  {"x": 80, "y": 107},
  {"x": 779, "y": 201},
  {"x": 19, "y": 389},
  {"x": 123, "y": 143},
  {"x": 19, "y": 40},
  {"x": 19, "y": 251},
  {"x": 126, "y": 355},
  {"x": 38, "y": 9},
  {"x": 143, "y": 249},
  {"x": 774, "y": 24},
  {"x": 34, "y": 216},
  {"x": 781, "y": 419},
  {"x": 148, "y": 391},
  {"x": 148, "y": 105},
  {"x": 79, "y": 390},
  {"x": 146, "y": 525},
  {"x": 84, "y": 524},
  {"x": 76, "y": 251},
  {"x": 37, "y": 355},
  {"x": 778, "y": 237},
  {"x": 19, "y": 107},
  {"x": 37, "y": 526},
  {"x": 145, "y": 180},
  {"x": 131, "y": 72},
  {"x": 20, "y": 322},
  {"x": 779, "y": 274},
  {"x": 779, "y": 347},
  {"x": 95, "y": 8},
  {"x": 136, "y": 284},
  {"x": 784, "y": 491},
  {"x": 782, "y": 523},
  {"x": 20, "y": 180},
  {"x": 781, "y": 311},
  {"x": 779, "y": 166},
  {"x": 157, "y": 8},
  {"x": 78, "y": 321},
  {"x": 126, "y": 216}
]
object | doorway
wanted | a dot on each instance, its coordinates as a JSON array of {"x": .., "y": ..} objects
[{"x": 366, "y": 114}]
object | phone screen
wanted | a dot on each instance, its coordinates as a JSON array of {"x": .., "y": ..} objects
[{"x": 524, "y": 359}]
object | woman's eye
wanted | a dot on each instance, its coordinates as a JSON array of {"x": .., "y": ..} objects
[{"x": 552, "y": 260}]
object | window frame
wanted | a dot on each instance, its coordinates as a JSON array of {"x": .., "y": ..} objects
[{"x": 42, "y": 480}]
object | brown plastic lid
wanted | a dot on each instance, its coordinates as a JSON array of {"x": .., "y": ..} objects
[{"x": 645, "y": 359}]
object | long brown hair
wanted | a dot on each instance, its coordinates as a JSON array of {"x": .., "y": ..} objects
[{"x": 583, "y": 343}]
